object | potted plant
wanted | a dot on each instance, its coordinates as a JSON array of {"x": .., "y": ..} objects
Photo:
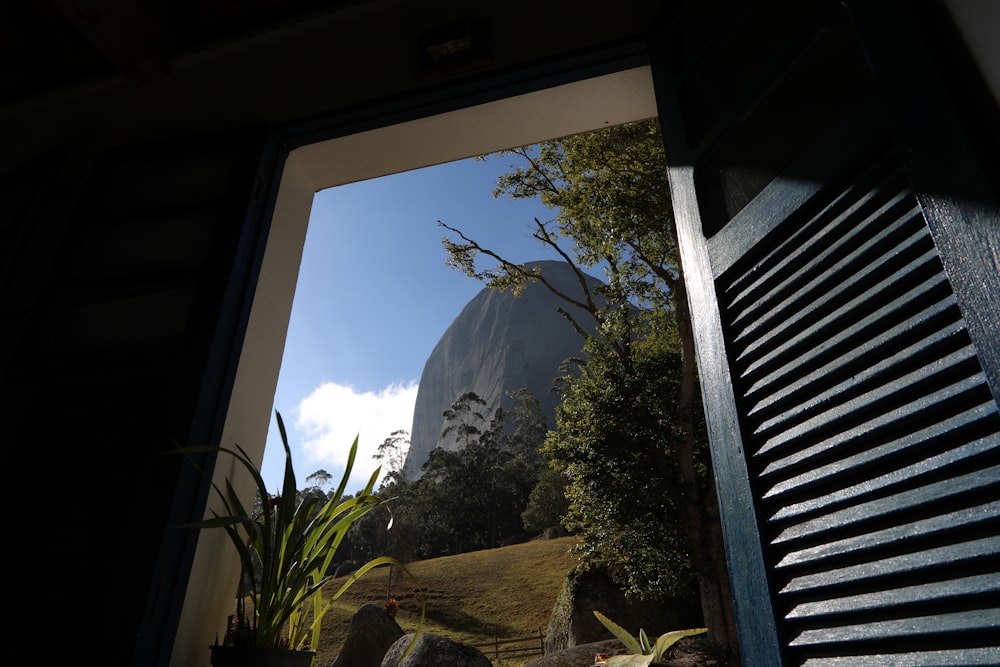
[
  {"x": 643, "y": 652},
  {"x": 291, "y": 542}
]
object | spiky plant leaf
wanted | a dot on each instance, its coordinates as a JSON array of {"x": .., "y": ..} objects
[
  {"x": 623, "y": 635},
  {"x": 294, "y": 544}
]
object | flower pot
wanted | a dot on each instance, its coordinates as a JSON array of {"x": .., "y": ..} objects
[{"x": 247, "y": 656}]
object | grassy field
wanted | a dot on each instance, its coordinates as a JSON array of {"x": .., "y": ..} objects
[{"x": 475, "y": 597}]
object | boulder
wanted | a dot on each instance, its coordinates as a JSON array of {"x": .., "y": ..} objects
[
  {"x": 582, "y": 655},
  {"x": 370, "y": 635},
  {"x": 434, "y": 651},
  {"x": 573, "y": 622},
  {"x": 554, "y": 533}
]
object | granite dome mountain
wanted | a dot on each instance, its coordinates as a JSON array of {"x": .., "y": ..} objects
[{"x": 497, "y": 344}]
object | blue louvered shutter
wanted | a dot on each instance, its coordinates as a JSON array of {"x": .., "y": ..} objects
[{"x": 849, "y": 377}]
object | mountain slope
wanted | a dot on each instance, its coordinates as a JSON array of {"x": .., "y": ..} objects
[{"x": 498, "y": 343}]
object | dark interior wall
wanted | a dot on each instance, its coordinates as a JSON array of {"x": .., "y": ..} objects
[
  {"x": 114, "y": 286},
  {"x": 110, "y": 363}
]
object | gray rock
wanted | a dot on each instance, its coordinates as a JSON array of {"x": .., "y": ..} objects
[
  {"x": 370, "y": 635},
  {"x": 554, "y": 533},
  {"x": 434, "y": 651},
  {"x": 573, "y": 622},
  {"x": 497, "y": 344},
  {"x": 582, "y": 655}
]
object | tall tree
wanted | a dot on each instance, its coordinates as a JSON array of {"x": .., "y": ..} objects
[
  {"x": 319, "y": 479},
  {"x": 547, "y": 505},
  {"x": 612, "y": 207},
  {"x": 521, "y": 462},
  {"x": 400, "y": 537},
  {"x": 391, "y": 454},
  {"x": 616, "y": 443},
  {"x": 473, "y": 497},
  {"x": 464, "y": 418}
]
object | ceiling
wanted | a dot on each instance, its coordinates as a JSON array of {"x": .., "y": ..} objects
[{"x": 54, "y": 45}]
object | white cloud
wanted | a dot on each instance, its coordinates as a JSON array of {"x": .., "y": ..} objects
[{"x": 333, "y": 415}]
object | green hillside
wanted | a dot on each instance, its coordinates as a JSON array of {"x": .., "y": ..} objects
[{"x": 473, "y": 597}]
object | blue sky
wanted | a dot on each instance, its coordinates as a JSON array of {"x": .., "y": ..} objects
[{"x": 373, "y": 298}]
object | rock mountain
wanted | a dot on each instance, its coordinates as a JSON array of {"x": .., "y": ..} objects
[{"x": 497, "y": 344}]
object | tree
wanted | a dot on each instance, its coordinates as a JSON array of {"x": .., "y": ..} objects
[
  {"x": 615, "y": 441},
  {"x": 524, "y": 431},
  {"x": 463, "y": 416},
  {"x": 455, "y": 501},
  {"x": 390, "y": 529},
  {"x": 467, "y": 499},
  {"x": 612, "y": 203},
  {"x": 319, "y": 479},
  {"x": 400, "y": 538},
  {"x": 391, "y": 454},
  {"x": 473, "y": 497},
  {"x": 527, "y": 428},
  {"x": 547, "y": 505}
]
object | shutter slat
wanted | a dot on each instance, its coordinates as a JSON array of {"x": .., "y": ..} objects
[
  {"x": 820, "y": 267},
  {"x": 849, "y": 380},
  {"x": 906, "y": 501},
  {"x": 781, "y": 200},
  {"x": 841, "y": 240},
  {"x": 954, "y": 658},
  {"x": 870, "y": 433},
  {"x": 938, "y": 592},
  {"x": 789, "y": 339},
  {"x": 774, "y": 396},
  {"x": 813, "y": 557},
  {"x": 821, "y": 436},
  {"x": 988, "y": 619},
  {"x": 823, "y": 475}
]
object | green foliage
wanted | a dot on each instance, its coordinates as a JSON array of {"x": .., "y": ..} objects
[
  {"x": 473, "y": 497},
  {"x": 319, "y": 479},
  {"x": 616, "y": 440},
  {"x": 547, "y": 504},
  {"x": 293, "y": 538},
  {"x": 612, "y": 205},
  {"x": 469, "y": 499},
  {"x": 643, "y": 652},
  {"x": 462, "y": 418},
  {"x": 525, "y": 428},
  {"x": 630, "y": 433},
  {"x": 622, "y": 437},
  {"x": 391, "y": 455}
]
